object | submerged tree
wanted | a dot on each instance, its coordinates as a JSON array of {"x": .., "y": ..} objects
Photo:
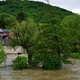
[
  {"x": 53, "y": 48},
  {"x": 25, "y": 35}
]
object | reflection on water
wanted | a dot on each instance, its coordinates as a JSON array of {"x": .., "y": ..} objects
[{"x": 68, "y": 72}]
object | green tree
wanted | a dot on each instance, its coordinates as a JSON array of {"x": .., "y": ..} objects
[
  {"x": 53, "y": 48},
  {"x": 3, "y": 56},
  {"x": 20, "y": 63},
  {"x": 25, "y": 35},
  {"x": 6, "y": 20},
  {"x": 20, "y": 16},
  {"x": 71, "y": 26}
]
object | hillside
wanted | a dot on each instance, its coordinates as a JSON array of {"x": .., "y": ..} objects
[{"x": 39, "y": 11}]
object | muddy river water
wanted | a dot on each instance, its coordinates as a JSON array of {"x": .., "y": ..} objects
[{"x": 68, "y": 72}]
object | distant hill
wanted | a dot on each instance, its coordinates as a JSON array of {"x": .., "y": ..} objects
[{"x": 39, "y": 11}]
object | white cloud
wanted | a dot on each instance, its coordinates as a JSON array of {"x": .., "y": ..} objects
[{"x": 72, "y": 5}]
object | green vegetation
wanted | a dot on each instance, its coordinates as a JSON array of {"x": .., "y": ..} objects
[
  {"x": 75, "y": 55},
  {"x": 25, "y": 35},
  {"x": 78, "y": 49},
  {"x": 39, "y": 11},
  {"x": 53, "y": 45},
  {"x": 52, "y": 62},
  {"x": 20, "y": 17},
  {"x": 6, "y": 21},
  {"x": 3, "y": 56},
  {"x": 71, "y": 24},
  {"x": 20, "y": 63}
]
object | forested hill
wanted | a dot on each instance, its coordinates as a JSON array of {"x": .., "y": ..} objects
[{"x": 39, "y": 11}]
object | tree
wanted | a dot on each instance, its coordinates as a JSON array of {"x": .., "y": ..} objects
[
  {"x": 53, "y": 48},
  {"x": 71, "y": 26},
  {"x": 3, "y": 56},
  {"x": 20, "y": 63},
  {"x": 25, "y": 35},
  {"x": 6, "y": 20},
  {"x": 20, "y": 16}
]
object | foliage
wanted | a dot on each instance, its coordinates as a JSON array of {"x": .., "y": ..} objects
[
  {"x": 3, "y": 56},
  {"x": 71, "y": 24},
  {"x": 73, "y": 49},
  {"x": 20, "y": 16},
  {"x": 25, "y": 35},
  {"x": 20, "y": 62},
  {"x": 76, "y": 55},
  {"x": 52, "y": 62},
  {"x": 52, "y": 42},
  {"x": 6, "y": 20},
  {"x": 34, "y": 9},
  {"x": 78, "y": 49},
  {"x": 2, "y": 67}
]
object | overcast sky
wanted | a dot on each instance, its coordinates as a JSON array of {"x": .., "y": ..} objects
[{"x": 71, "y": 5}]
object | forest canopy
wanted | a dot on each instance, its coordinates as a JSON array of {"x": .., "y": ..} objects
[{"x": 39, "y": 11}]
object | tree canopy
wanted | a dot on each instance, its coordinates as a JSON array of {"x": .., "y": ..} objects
[
  {"x": 34, "y": 9},
  {"x": 71, "y": 24},
  {"x": 25, "y": 35},
  {"x": 6, "y": 20}
]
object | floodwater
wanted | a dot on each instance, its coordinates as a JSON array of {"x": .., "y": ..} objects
[{"x": 68, "y": 72}]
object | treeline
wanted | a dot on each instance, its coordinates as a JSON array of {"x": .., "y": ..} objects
[{"x": 39, "y": 11}]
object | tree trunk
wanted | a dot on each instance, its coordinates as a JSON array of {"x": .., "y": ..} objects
[
  {"x": 58, "y": 51},
  {"x": 29, "y": 56}
]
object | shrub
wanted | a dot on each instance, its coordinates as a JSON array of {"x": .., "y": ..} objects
[
  {"x": 52, "y": 62},
  {"x": 73, "y": 49},
  {"x": 76, "y": 55},
  {"x": 78, "y": 49},
  {"x": 20, "y": 62},
  {"x": 3, "y": 56}
]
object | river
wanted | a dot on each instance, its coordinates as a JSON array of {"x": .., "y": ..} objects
[{"x": 68, "y": 72}]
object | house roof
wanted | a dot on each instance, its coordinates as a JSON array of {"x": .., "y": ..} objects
[{"x": 4, "y": 30}]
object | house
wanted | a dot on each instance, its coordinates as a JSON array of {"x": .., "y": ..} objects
[{"x": 4, "y": 37}]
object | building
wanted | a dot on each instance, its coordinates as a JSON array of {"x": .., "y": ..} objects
[{"x": 4, "y": 37}]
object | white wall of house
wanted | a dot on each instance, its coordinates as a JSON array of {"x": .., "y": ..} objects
[
  {"x": 12, "y": 54},
  {"x": 10, "y": 50}
]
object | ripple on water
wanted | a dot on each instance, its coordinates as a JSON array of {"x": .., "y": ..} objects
[{"x": 68, "y": 72}]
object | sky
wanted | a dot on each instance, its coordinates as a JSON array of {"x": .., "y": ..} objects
[{"x": 71, "y": 5}]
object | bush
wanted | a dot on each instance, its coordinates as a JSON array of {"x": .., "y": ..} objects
[
  {"x": 3, "y": 56},
  {"x": 73, "y": 49},
  {"x": 51, "y": 63},
  {"x": 76, "y": 55},
  {"x": 20, "y": 62},
  {"x": 78, "y": 49}
]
